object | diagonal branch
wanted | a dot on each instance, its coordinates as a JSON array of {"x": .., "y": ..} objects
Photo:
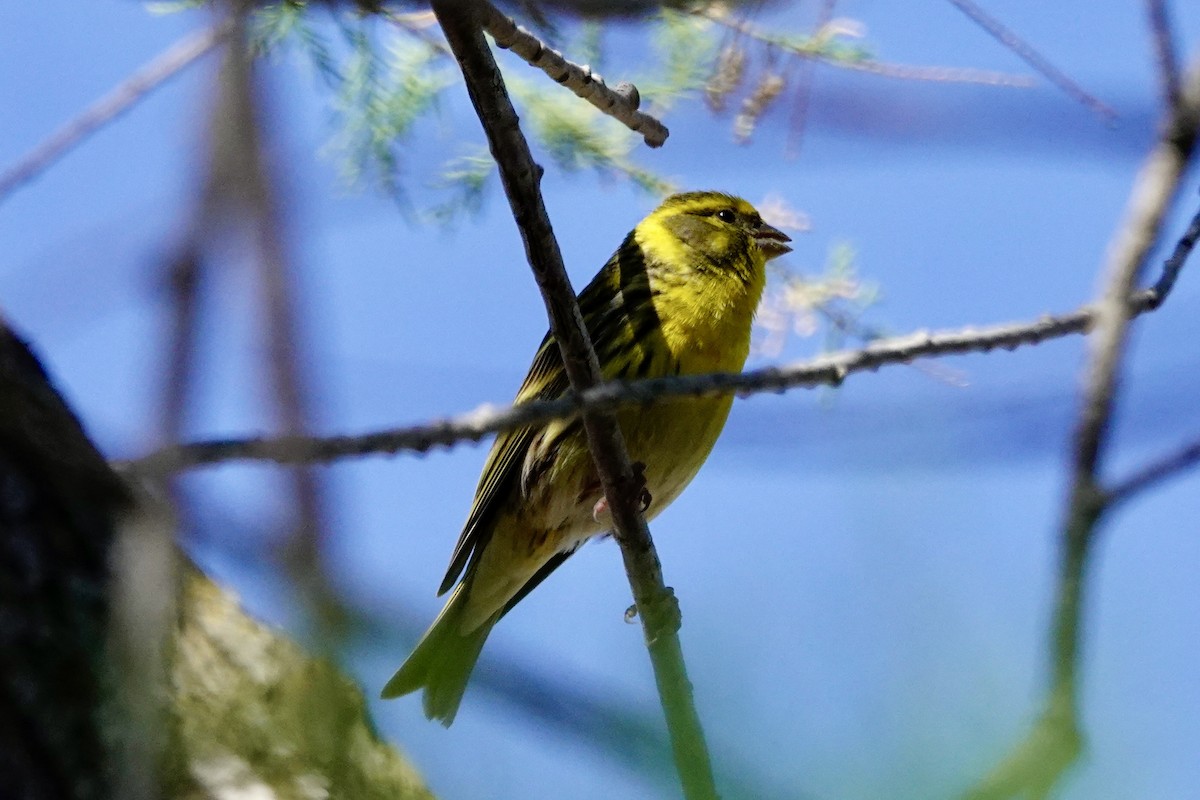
[
  {"x": 810, "y": 50},
  {"x": 621, "y": 103},
  {"x": 1033, "y": 58},
  {"x": 460, "y": 22},
  {"x": 1155, "y": 472},
  {"x": 1055, "y": 741},
  {"x": 244, "y": 141},
  {"x": 1164, "y": 49},
  {"x": 107, "y": 108}
]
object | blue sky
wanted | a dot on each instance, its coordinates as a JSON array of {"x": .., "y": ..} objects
[{"x": 865, "y": 575}]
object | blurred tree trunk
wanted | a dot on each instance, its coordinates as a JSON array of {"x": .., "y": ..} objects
[{"x": 125, "y": 672}]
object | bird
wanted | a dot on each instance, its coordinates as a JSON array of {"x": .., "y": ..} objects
[{"x": 677, "y": 298}]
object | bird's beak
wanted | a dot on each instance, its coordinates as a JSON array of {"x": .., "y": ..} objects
[{"x": 771, "y": 241}]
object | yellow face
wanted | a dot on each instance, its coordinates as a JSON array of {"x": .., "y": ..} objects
[{"x": 720, "y": 227}]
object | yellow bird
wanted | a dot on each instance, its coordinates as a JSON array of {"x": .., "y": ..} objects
[{"x": 677, "y": 298}]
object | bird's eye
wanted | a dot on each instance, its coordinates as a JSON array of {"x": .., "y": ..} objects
[{"x": 725, "y": 215}]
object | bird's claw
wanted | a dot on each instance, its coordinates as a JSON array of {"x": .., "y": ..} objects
[
  {"x": 600, "y": 511},
  {"x": 602, "y": 514},
  {"x": 639, "y": 476}
]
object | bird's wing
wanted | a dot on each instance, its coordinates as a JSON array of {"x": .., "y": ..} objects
[
  {"x": 603, "y": 304},
  {"x": 546, "y": 380}
]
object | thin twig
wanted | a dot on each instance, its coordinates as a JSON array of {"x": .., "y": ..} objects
[
  {"x": 909, "y": 72},
  {"x": 802, "y": 94},
  {"x": 417, "y": 24},
  {"x": 1033, "y": 58},
  {"x": 1153, "y": 193},
  {"x": 621, "y": 103},
  {"x": 120, "y": 99},
  {"x": 827, "y": 370},
  {"x": 183, "y": 273},
  {"x": 884, "y": 69},
  {"x": 1174, "y": 265},
  {"x": 1183, "y": 458},
  {"x": 251, "y": 206},
  {"x": 520, "y": 175},
  {"x": 307, "y": 545},
  {"x": 1038, "y": 762},
  {"x": 1164, "y": 49}
]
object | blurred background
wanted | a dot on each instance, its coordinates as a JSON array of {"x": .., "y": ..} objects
[{"x": 866, "y": 574}]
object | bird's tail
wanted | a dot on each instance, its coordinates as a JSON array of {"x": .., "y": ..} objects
[{"x": 442, "y": 661}]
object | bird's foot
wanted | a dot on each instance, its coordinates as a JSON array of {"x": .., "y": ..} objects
[
  {"x": 601, "y": 512},
  {"x": 639, "y": 477}
]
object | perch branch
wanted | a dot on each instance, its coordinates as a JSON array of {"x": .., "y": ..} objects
[
  {"x": 827, "y": 370},
  {"x": 107, "y": 108},
  {"x": 460, "y": 22}
]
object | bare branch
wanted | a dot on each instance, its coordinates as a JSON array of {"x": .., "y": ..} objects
[
  {"x": 802, "y": 94},
  {"x": 520, "y": 175},
  {"x": 621, "y": 103},
  {"x": 1154, "y": 191},
  {"x": 1174, "y": 264},
  {"x": 827, "y": 370},
  {"x": 113, "y": 104},
  {"x": 881, "y": 68},
  {"x": 910, "y": 72},
  {"x": 1033, "y": 58},
  {"x": 1040, "y": 760},
  {"x": 1154, "y": 473},
  {"x": 247, "y": 147},
  {"x": 1164, "y": 49}
]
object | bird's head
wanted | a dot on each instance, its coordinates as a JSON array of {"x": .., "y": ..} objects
[{"x": 720, "y": 227}]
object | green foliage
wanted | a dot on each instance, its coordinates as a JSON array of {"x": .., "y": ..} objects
[
  {"x": 576, "y": 136},
  {"x": 383, "y": 94},
  {"x": 273, "y": 28},
  {"x": 464, "y": 179},
  {"x": 386, "y": 73},
  {"x": 836, "y": 42},
  {"x": 685, "y": 46}
]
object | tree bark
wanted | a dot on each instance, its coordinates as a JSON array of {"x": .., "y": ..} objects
[{"x": 124, "y": 671}]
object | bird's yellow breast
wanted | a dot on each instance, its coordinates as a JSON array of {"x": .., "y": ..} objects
[{"x": 706, "y": 320}]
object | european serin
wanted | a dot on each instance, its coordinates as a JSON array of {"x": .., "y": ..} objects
[{"x": 677, "y": 298}]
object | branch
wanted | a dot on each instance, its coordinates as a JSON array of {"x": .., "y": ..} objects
[
  {"x": 1164, "y": 49},
  {"x": 1169, "y": 466},
  {"x": 1154, "y": 191},
  {"x": 242, "y": 151},
  {"x": 1174, "y": 265},
  {"x": 621, "y": 103},
  {"x": 659, "y": 611},
  {"x": 107, "y": 108},
  {"x": 1035, "y": 769},
  {"x": 827, "y": 370},
  {"x": 882, "y": 68},
  {"x": 1033, "y": 58}
]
